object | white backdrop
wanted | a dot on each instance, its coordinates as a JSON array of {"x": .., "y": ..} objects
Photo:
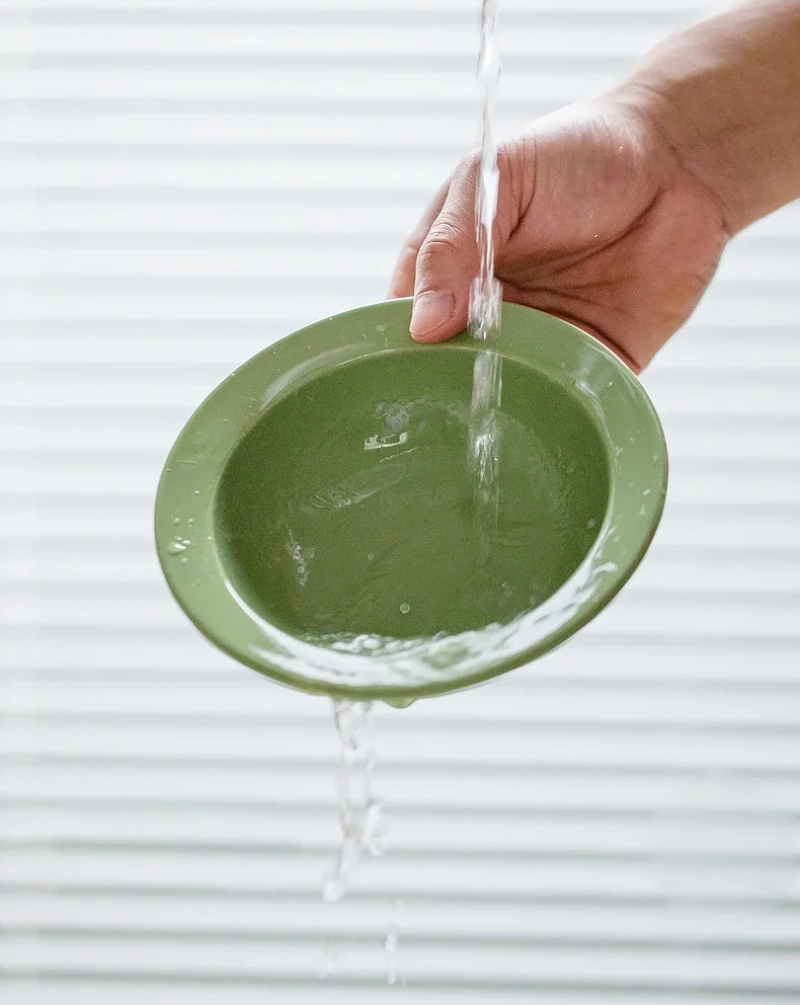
[{"x": 181, "y": 183}]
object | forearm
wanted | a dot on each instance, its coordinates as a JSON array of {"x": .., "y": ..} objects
[{"x": 725, "y": 94}]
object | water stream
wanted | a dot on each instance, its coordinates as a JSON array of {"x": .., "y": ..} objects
[
  {"x": 360, "y": 821},
  {"x": 486, "y": 294},
  {"x": 362, "y": 832}
]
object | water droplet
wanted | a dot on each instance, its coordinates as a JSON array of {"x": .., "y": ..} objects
[
  {"x": 610, "y": 383},
  {"x": 333, "y": 889},
  {"x": 176, "y": 521},
  {"x": 371, "y": 557},
  {"x": 400, "y": 702},
  {"x": 392, "y": 944},
  {"x": 405, "y": 608},
  {"x": 591, "y": 523},
  {"x": 646, "y": 492},
  {"x": 197, "y": 492},
  {"x": 331, "y": 961},
  {"x": 184, "y": 560},
  {"x": 190, "y": 520},
  {"x": 178, "y": 545}
]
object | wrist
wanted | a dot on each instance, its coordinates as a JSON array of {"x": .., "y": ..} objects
[
  {"x": 724, "y": 95},
  {"x": 677, "y": 141}
]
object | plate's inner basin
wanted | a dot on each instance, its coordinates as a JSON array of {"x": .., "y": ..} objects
[{"x": 349, "y": 508}]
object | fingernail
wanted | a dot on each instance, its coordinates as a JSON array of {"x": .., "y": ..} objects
[{"x": 431, "y": 310}]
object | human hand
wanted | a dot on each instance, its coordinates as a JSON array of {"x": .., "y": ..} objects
[{"x": 597, "y": 222}]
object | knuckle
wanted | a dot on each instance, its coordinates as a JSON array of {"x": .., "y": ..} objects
[{"x": 445, "y": 237}]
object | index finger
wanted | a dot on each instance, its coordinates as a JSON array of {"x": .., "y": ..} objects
[{"x": 402, "y": 284}]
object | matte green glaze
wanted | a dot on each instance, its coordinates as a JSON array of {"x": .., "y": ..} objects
[{"x": 315, "y": 518}]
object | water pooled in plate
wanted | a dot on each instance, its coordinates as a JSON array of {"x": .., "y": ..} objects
[{"x": 348, "y": 511}]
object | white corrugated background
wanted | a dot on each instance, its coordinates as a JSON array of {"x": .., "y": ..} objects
[{"x": 181, "y": 183}]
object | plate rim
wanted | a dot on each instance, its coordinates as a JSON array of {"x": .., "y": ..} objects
[{"x": 210, "y": 436}]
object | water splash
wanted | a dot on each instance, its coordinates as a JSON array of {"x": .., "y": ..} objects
[
  {"x": 359, "y": 810},
  {"x": 486, "y": 293}
]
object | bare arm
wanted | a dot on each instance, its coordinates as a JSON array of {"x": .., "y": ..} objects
[{"x": 726, "y": 95}]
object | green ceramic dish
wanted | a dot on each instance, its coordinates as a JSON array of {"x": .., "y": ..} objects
[{"x": 315, "y": 518}]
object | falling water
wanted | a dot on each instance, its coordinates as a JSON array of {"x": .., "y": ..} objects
[
  {"x": 486, "y": 295},
  {"x": 392, "y": 946},
  {"x": 359, "y": 810}
]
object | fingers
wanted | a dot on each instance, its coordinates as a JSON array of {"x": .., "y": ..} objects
[
  {"x": 446, "y": 263},
  {"x": 402, "y": 284}
]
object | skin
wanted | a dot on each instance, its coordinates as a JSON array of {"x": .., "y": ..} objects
[{"x": 613, "y": 213}]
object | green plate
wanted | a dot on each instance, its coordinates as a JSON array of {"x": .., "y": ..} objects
[{"x": 316, "y": 517}]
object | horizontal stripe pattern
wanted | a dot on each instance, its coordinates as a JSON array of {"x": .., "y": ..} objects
[{"x": 182, "y": 183}]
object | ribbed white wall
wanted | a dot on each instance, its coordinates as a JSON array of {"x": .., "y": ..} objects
[{"x": 181, "y": 183}]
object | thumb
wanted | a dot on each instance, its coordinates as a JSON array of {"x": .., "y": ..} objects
[{"x": 446, "y": 264}]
